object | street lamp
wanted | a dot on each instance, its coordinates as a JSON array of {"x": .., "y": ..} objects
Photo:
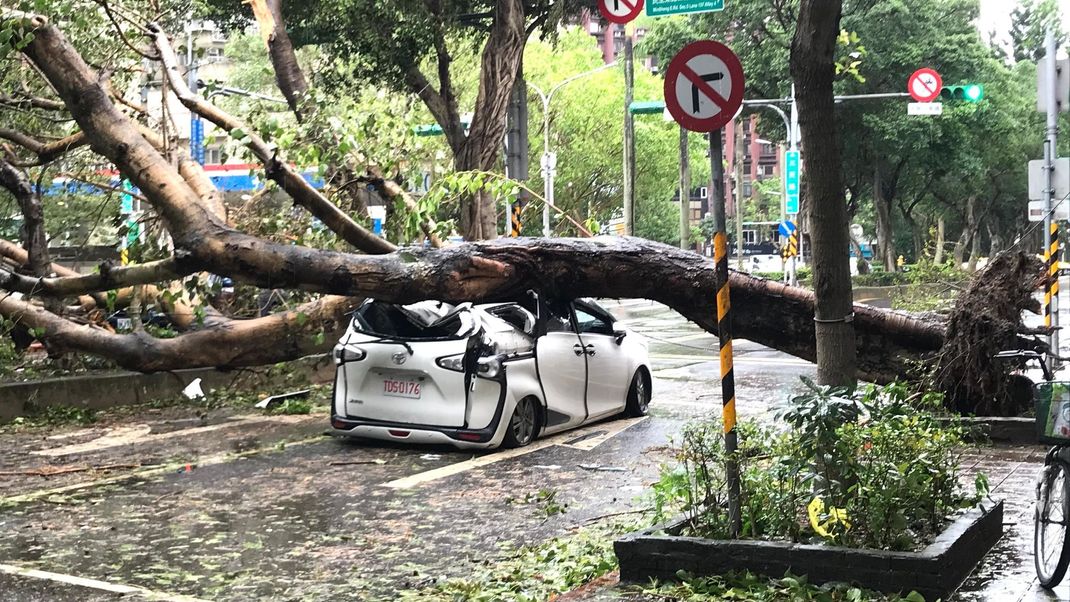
[{"x": 549, "y": 159}]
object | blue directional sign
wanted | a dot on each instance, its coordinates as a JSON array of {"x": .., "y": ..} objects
[
  {"x": 196, "y": 139},
  {"x": 786, "y": 228},
  {"x": 791, "y": 181}
]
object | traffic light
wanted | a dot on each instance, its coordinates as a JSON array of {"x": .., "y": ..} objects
[{"x": 967, "y": 92}]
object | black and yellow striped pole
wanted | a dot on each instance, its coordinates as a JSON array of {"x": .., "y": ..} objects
[
  {"x": 515, "y": 222},
  {"x": 724, "y": 330},
  {"x": 1051, "y": 294}
]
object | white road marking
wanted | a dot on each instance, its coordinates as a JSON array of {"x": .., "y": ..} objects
[
  {"x": 104, "y": 586},
  {"x": 142, "y": 432},
  {"x": 610, "y": 429}
]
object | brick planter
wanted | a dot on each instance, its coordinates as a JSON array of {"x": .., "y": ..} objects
[{"x": 934, "y": 572}]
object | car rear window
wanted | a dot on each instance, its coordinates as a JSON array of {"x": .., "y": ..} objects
[{"x": 396, "y": 322}]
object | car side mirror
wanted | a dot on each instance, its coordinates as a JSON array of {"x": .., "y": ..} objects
[{"x": 619, "y": 335}]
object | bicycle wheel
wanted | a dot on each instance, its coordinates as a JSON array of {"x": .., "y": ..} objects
[{"x": 1051, "y": 548}]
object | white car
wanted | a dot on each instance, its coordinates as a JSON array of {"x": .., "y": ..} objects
[{"x": 485, "y": 375}]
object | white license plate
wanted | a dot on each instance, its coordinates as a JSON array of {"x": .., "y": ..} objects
[{"x": 397, "y": 387}]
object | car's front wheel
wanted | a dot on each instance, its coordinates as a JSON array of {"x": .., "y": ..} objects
[
  {"x": 524, "y": 424},
  {"x": 638, "y": 395}
]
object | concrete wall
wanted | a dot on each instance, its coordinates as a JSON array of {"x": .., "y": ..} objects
[{"x": 103, "y": 391}]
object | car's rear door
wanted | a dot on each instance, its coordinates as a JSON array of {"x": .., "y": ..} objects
[
  {"x": 392, "y": 384},
  {"x": 562, "y": 369},
  {"x": 607, "y": 362}
]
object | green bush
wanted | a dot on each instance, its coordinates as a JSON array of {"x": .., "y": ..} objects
[{"x": 869, "y": 468}]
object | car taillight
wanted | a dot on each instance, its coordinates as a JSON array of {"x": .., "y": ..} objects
[
  {"x": 469, "y": 436},
  {"x": 451, "y": 362},
  {"x": 396, "y": 433},
  {"x": 343, "y": 354}
]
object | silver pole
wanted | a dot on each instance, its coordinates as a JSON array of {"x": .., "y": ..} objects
[{"x": 1051, "y": 132}]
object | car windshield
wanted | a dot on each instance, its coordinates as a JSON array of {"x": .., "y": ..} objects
[{"x": 427, "y": 320}]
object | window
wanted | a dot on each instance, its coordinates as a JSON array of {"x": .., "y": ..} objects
[
  {"x": 747, "y": 190},
  {"x": 703, "y": 192},
  {"x": 750, "y": 237},
  {"x": 559, "y": 318},
  {"x": 212, "y": 156},
  {"x": 589, "y": 323}
]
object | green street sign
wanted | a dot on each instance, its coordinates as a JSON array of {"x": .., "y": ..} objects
[
  {"x": 662, "y": 8},
  {"x": 646, "y": 107}
]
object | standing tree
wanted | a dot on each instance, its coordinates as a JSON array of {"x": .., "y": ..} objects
[{"x": 813, "y": 69}]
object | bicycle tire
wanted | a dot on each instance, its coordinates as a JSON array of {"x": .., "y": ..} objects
[{"x": 1049, "y": 535}]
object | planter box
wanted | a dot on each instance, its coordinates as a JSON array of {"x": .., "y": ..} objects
[{"x": 934, "y": 572}]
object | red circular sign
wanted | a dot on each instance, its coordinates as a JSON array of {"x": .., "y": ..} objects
[
  {"x": 925, "y": 85},
  {"x": 704, "y": 86},
  {"x": 620, "y": 11}
]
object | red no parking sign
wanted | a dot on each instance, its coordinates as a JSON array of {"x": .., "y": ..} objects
[
  {"x": 925, "y": 85},
  {"x": 620, "y": 11},
  {"x": 704, "y": 86}
]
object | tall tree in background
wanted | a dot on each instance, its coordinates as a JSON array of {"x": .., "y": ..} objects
[{"x": 813, "y": 70}]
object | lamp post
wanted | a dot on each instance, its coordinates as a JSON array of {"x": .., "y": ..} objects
[{"x": 549, "y": 158}]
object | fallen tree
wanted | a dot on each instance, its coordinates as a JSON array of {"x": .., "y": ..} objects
[{"x": 890, "y": 345}]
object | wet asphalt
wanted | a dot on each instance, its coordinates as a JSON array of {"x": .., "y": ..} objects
[{"x": 246, "y": 507}]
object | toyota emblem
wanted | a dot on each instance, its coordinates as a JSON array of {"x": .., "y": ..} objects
[{"x": 399, "y": 357}]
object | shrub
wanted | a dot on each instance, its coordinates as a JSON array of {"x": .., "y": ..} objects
[{"x": 868, "y": 468}]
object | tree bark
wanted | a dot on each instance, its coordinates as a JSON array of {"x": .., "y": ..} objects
[
  {"x": 883, "y": 206},
  {"x": 480, "y": 149},
  {"x": 813, "y": 71},
  {"x": 938, "y": 255},
  {"x": 288, "y": 74},
  {"x": 32, "y": 232}
]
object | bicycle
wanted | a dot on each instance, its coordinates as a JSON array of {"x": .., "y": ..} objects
[{"x": 1051, "y": 547}]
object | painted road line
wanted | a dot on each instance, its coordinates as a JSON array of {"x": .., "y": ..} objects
[
  {"x": 610, "y": 430},
  {"x": 557, "y": 440},
  {"x": 691, "y": 337},
  {"x": 141, "y": 433},
  {"x": 95, "y": 584}
]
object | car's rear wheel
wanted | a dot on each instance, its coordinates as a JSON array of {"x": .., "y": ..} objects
[
  {"x": 638, "y": 395},
  {"x": 524, "y": 424}
]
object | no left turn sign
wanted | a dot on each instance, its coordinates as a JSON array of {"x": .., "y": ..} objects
[
  {"x": 620, "y": 11},
  {"x": 925, "y": 85},
  {"x": 704, "y": 86}
]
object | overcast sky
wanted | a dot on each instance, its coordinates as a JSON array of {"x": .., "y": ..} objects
[{"x": 996, "y": 16}]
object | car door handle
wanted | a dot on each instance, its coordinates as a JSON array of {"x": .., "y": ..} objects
[
  {"x": 577, "y": 349},
  {"x": 589, "y": 348}
]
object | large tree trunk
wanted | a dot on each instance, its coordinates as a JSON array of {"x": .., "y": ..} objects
[{"x": 813, "y": 70}]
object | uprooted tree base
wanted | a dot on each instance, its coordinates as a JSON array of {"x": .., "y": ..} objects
[{"x": 987, "y": 319}]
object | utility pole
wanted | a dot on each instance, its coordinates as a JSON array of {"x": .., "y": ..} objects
[
  {"x": 196, "y": 126},
  {"x": 1051, "y": 227},
  {"x": 685, "y": 191},
  {"x": 793, "y": 145},
  {"x": 737, "y": 206},
  {"x": 629, "y": 139}
]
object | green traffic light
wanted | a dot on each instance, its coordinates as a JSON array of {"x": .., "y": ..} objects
[{"x": 967, "y": 92}]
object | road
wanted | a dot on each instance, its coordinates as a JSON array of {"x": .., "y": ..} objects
[{"x": 239, "y": 506}]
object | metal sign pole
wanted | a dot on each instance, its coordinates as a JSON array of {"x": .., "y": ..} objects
[
  {"x": 1051, "y": 239},
  {"x": 724, "y": 330}
]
